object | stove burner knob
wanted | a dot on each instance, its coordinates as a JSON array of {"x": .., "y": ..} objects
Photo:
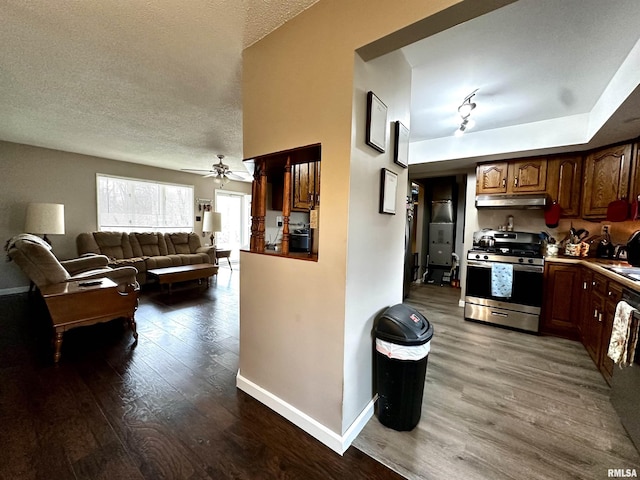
[
  {"x": 531, "y": 260},
  {"x": 477, "y": 257},
  {"x": 521, "y": 260},
  {"x": 486, "y": 257}
]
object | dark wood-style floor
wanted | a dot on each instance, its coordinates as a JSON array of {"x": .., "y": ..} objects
[
  {"x": 500, "y": 404},
  {"x": 168, "y": 409}
]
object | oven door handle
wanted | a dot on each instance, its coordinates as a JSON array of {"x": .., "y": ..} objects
[{"x": 516, "y": 266}]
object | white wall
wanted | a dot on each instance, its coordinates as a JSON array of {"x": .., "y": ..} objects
[
  {"x": 375, "y": 248},
  {"x": 298, "y": 89}
]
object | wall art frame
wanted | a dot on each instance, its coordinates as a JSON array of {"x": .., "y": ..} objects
[
  {"x": 376, "y": 122},
  {"x": 401, "y": 144},
  {"x": 388, "y": 189}
]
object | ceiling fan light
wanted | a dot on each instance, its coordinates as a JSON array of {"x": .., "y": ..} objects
[{"x": 217, "y": 180}]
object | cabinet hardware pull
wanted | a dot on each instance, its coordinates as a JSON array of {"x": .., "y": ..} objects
[
  {"x": 504, "y": 182},
  {"x": 515, "y": 182},
  {"x": 499, "y": 314},
  {"x": 584, "y": 285},
  {"x": 599, "y": 317}
]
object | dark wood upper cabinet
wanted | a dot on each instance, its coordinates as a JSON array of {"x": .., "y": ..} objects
[
  {"x": 518, "y": 176},
  {"x": 635, "y": 172},
  {"x": 564, "y": 183},
  {"x": 606, "y": 178},
  {"x": 527, "y": 176},
  {"x": 491, "y": 178},
  {"x": 306, "y": 186}
]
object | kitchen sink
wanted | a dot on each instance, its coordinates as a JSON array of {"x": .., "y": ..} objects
[{"x": 632, "y": 273}]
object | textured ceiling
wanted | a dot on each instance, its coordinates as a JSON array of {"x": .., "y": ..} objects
[
  {"x": 156, "y": 82},
  {"x": 159, "y": 82}
]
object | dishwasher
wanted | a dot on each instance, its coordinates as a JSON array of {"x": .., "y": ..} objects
[{"x": 625, "y": 383}]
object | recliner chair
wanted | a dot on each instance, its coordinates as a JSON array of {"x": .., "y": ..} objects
[
  {"x": 34, "y": 256},
  {"x": 79, "y": 302}
]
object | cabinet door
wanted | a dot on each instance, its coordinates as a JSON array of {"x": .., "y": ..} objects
[
  {"x": 585, "y": 302},
  {"x": 527, "y": 176},
  {"x": 606, "y": 179},
  {"x": 564, "y": 183},
  {"x": 491, "y": 178},
  {"x": 316, "y": 184},
  {"x": 303, "y": 186},
  {"x": 614, "y": 295},
  {"x": 562, "y": 292},
  {"x": 593, "y": 327},
  {"x": 635, "y": 173}
]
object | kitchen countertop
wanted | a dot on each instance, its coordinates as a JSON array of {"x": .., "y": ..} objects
[{"x": 598, "y": 265}]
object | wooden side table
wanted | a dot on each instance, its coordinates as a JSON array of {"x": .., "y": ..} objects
[
  {"x": 87, "y": 302},
  {"x": 224, "y": 253}
]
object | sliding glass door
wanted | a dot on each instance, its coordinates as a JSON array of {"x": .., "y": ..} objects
[{"x": 235, "y": 209}]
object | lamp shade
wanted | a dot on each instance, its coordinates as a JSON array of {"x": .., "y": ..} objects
[
  {"x": 212, "y": 222},
  {"x": 45, "y": 218}
]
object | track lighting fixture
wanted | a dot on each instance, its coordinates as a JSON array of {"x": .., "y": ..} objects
[{"x": 465, "y": 109}]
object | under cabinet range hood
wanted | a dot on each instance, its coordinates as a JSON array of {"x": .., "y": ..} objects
[{"x": 523, "y": 201}]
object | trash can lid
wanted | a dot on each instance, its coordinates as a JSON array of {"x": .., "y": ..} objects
[{"x": 404, "y": 325}]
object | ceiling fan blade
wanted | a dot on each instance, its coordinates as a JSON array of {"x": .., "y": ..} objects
[
  {"x": 234, "y": 176},
  {"x": 193, "y": 170},
  {"x": 212, "y": 174}
]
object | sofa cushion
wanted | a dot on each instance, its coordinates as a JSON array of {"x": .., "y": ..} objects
[
  {"x": 149, "y": 243},
  {"x": 159, "y": 261},
  {"x": 113, "y": 244}
]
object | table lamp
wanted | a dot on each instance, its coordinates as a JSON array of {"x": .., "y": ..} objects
[
  {"x": 45, "y": 218},
  {"x": 212, "y": 223}
]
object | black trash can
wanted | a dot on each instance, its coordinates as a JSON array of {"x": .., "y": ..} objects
[{"x": 403, "y": 338}]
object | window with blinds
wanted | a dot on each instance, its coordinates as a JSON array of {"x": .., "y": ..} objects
[{"x": 133, "y": 205}]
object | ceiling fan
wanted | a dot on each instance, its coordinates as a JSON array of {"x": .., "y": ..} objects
[{"x": 221, "y": 172}]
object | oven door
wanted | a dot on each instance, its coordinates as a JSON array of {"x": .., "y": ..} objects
[
  {"x": 521, "y": 310},
  {"x": 527, "y": 283}
]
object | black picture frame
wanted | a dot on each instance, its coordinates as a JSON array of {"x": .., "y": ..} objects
[
  {"x": 401, "y": 145},
  {"x": 388, "y": 190},
  {"x": 376, "y": 122}
]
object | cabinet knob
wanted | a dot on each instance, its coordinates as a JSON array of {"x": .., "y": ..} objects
[
  {"x": 599, "y": 317},
  {"x": 515, "y": 182},
  {"x": 504, "y": 182}
]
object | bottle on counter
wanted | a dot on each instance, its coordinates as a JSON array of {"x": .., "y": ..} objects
[{"x": 510, "y": 223}]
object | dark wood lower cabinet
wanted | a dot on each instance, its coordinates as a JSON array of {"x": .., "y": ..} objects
[
  {"x": 561, "y": 286},
  {"x": 580, "y": 304}
]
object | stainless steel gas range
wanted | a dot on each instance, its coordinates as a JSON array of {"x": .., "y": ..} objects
[{"x": 504, "y": 279}]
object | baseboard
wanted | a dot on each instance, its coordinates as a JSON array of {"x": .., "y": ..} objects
[
  {"x": 337, "y": 443},
  {"x": 13, "y": 291}
]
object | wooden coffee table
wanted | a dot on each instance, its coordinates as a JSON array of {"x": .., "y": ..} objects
[
  {"x": 184, "y": 273},
  {"x": 87, "y": 302}
]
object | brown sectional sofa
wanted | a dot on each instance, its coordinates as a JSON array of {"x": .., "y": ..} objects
[{"x": 146, "y": 250}]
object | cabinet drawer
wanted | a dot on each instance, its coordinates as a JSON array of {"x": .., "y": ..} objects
[
  {"x": 599, "y": 284},
  {"x": 614, "y": 292}
]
